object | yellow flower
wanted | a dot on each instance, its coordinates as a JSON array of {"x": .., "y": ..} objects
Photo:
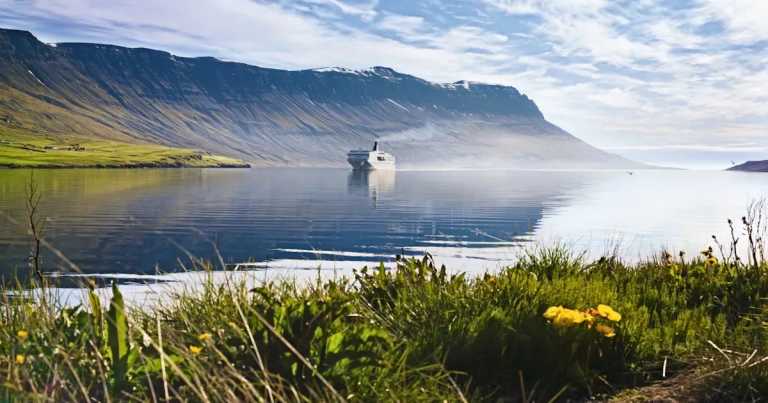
[
  {"x": 570, "y": 317},
  {"x": 205, "y": 337},
  {"x": 711, "y": 261},
  {"x": 608, "y": 313},
  {"x": 583, "y": 317},
  {"x": 22, "y": 334},
  {"x": 606, "y": 331},
  {"x": 552, "y": 312},
  {"x": 195, "y": 350},
  {"x": 564, "y": 319},
  {"x": 20, "y": 359}
]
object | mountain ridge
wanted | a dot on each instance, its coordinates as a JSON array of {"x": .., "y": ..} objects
[{"x": 271, "y": 116}]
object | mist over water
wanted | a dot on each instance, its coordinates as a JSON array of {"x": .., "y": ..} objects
[{"x": 132, "y": 221}]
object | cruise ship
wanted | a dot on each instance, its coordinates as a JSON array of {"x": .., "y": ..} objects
[{"x": 371, "y": 159}]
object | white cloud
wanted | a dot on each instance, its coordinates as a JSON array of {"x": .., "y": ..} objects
[
  {"x": 615, "y": 73},
  {"x": 745, "y": 20},
  {"x": 366, "y": 11},
  {"x": 670, "y": 34},
  {"x": 617, "y": 98},
  {"x": 658, "y": 80},
  {"x": 404, "y": 25},
  {"x": 563, "y": 7}
]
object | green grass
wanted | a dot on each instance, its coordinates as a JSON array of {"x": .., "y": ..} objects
[
  {"x": 690, "y": 328},
  {"x": 412, "y": 334},
  {"x": 21, "y": 150}
]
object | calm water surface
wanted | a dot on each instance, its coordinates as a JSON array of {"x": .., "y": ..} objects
[{"x": 135, "y": 221}]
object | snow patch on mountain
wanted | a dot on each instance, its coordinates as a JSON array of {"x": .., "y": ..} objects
[
  {"x": 388, "y": 73},
  {"x": 376, "y": 71},
  {"x": 463, "y": 84}
]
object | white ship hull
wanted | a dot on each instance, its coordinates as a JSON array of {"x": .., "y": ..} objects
[
  {"x": 370, "y": 164},
  {"x": 372, "y": 160}
]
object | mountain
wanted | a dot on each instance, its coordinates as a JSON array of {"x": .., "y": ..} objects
[
  {"x": 751, "y": 166},
  {"x": 274, "y": 117}
]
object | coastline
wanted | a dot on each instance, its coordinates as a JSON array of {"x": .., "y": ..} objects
[
  {"x": 19, "y": 150},
  {"x": 531, "y": 323},
  {"x": 750, "y": 166},
  {"x": 126, "y": 166}
]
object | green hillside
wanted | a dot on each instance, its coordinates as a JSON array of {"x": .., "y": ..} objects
[{"x": 19, "y": 149}]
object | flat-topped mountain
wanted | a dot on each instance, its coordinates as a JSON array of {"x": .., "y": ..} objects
[
  {"x": 751, "y": 166},
  {"x": 274, "y": 117}
]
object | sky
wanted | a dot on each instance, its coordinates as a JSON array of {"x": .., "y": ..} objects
[{"x": 672, "y": 82}]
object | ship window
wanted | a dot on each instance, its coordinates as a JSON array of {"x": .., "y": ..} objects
[{"x": 380, "y": 158}]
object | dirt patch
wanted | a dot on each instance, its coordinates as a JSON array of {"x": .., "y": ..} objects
[{"x": 690, "y": 386}]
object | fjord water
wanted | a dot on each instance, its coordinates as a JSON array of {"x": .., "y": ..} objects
[{"x": 138, "y": 221}]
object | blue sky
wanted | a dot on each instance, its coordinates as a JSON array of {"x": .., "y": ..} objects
[{"x": 675, "y": 82}]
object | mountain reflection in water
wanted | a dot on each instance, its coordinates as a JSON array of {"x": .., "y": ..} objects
[{"x": 132, "y": 221}]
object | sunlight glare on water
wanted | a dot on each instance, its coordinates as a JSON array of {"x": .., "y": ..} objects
[{"x": 132, "y": 221}]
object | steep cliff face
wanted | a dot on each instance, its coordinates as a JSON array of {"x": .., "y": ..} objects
[{"x": 274, "y": 117}]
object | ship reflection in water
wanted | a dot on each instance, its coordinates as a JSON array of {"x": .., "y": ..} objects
[
  {"x": 133, "y": 221},
  {"x": 375, "y": 183}
]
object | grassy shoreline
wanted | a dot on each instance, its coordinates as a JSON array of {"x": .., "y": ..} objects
[
  {"x": 19, "y": 150},
  {"x": 544, "y": 329},
  {"x": 554, "y": 326}
]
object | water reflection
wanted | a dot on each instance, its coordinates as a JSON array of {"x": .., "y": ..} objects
[
  {"x": 114, "y": 221},
  {"x": 375, "y": 183},
  {"x": 132, "y": 221}
]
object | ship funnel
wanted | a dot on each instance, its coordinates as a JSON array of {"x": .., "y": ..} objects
[{"x": 375, "y": 146}]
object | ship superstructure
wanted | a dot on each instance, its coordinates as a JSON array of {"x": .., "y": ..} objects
[{"x": 371, "y": 159}]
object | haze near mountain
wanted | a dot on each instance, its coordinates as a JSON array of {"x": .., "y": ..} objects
[{"x": 276, "y": 117}]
